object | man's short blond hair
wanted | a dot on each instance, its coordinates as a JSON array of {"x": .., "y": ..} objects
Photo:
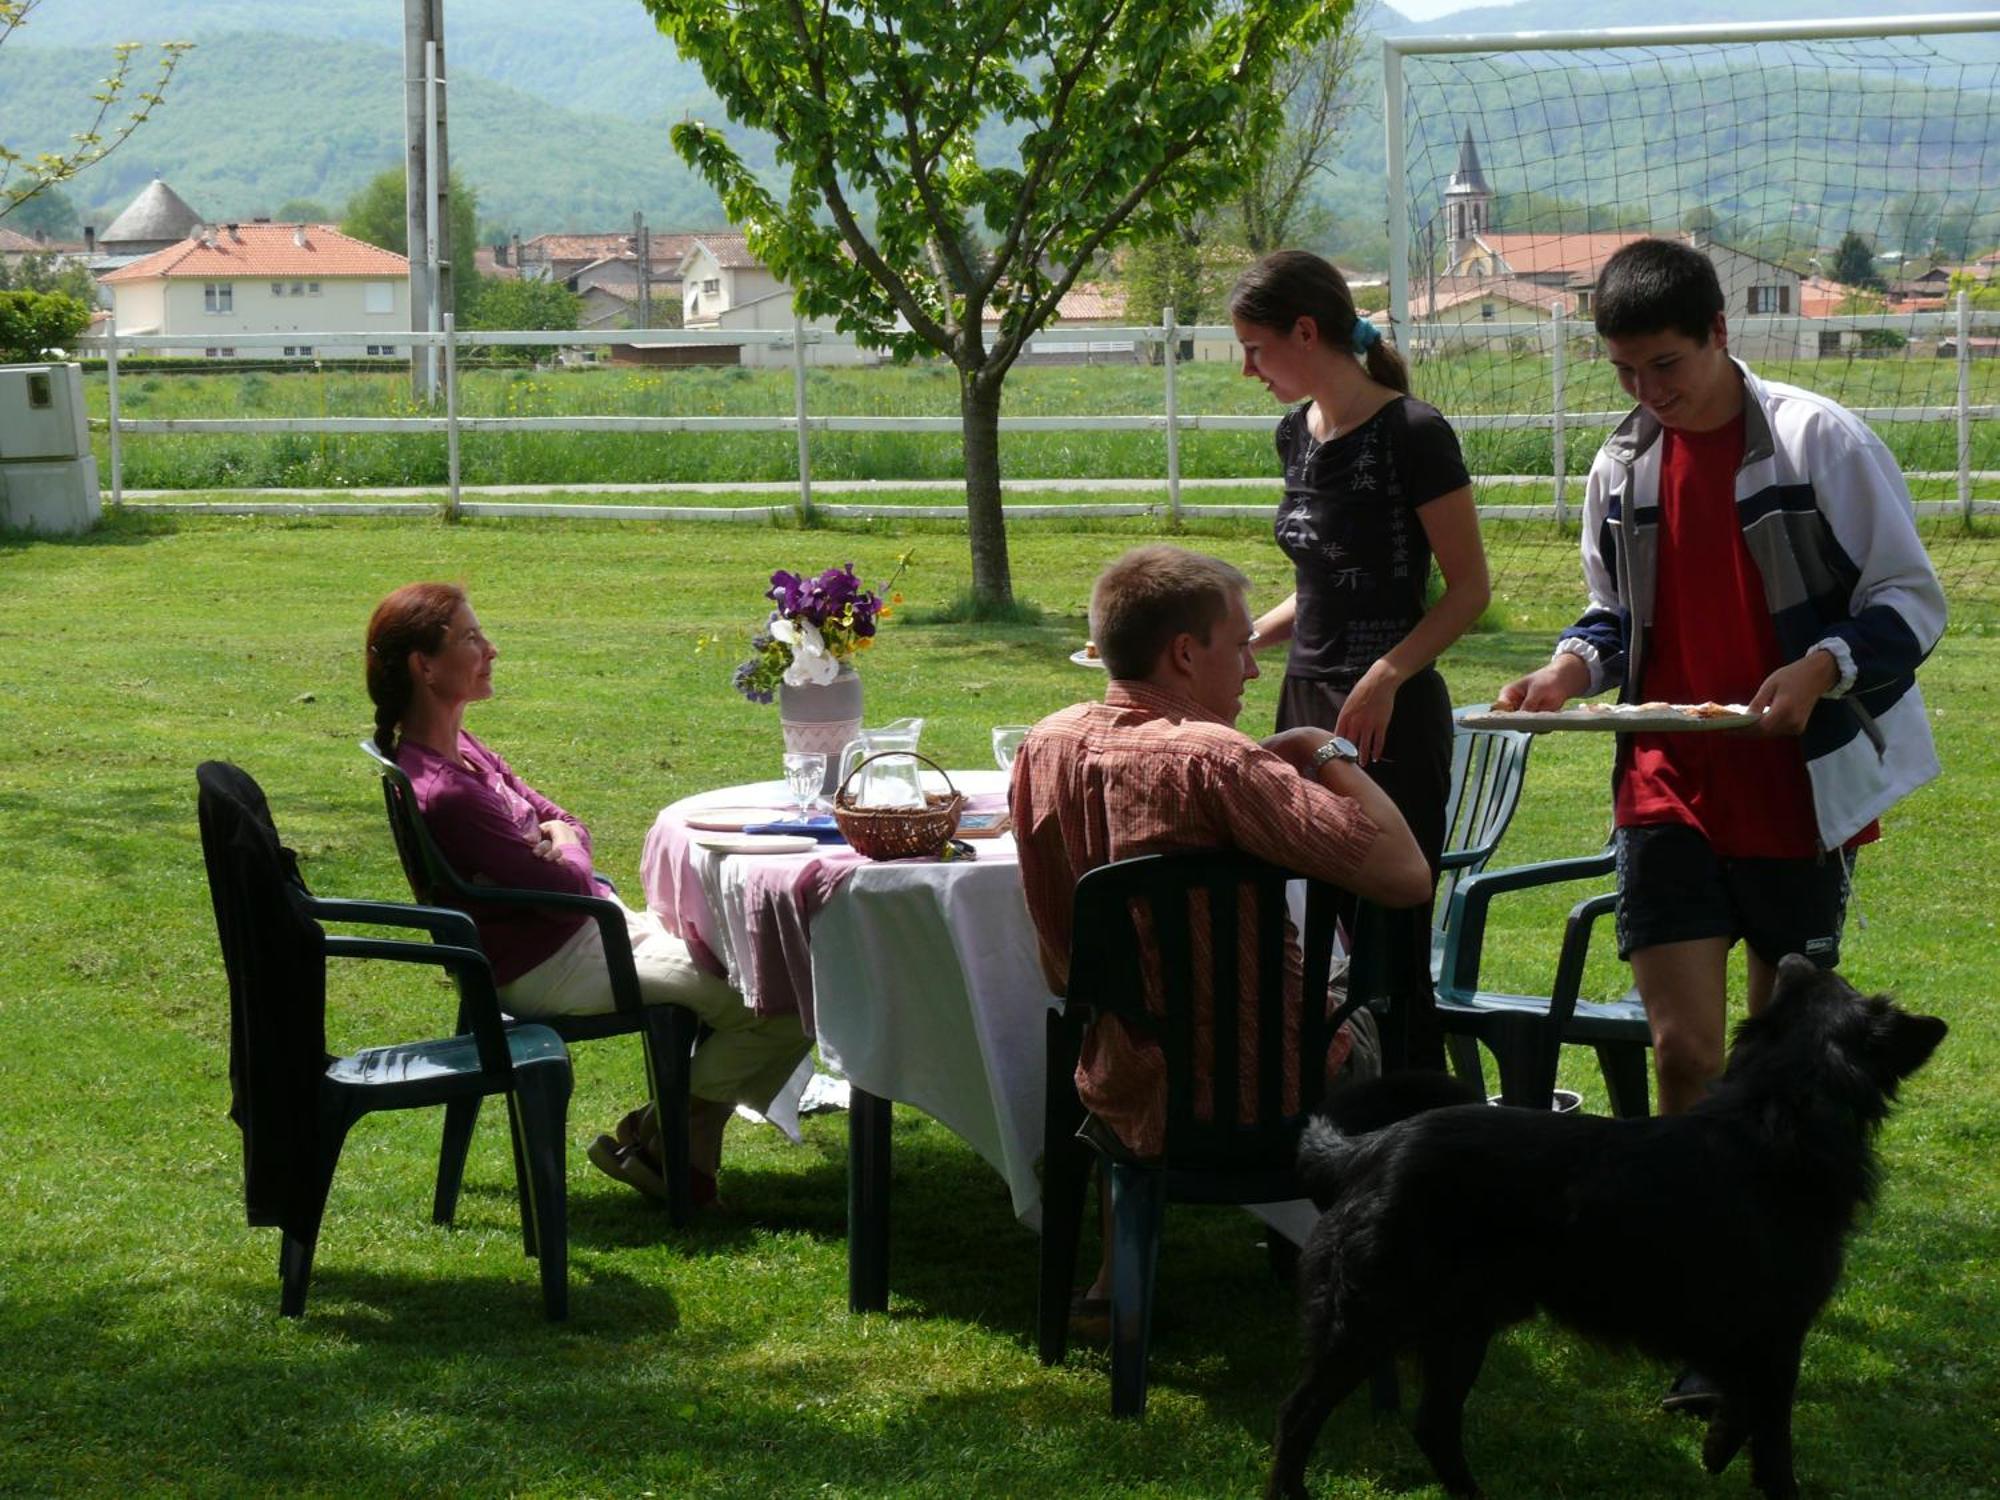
[{"x": 1152, "y": 594}]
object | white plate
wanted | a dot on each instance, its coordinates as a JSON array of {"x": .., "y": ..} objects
[
  {"x": 757, "y": 843},
  {"x": 1085, "y": 659},
  {"x": 735, "y": 819},
  {"x": 1622, "y": 717}
]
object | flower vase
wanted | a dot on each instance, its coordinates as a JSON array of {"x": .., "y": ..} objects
[{"x": 822, "y": 717}]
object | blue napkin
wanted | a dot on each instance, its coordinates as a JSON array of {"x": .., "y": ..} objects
[{"x": 822, "y": 828}]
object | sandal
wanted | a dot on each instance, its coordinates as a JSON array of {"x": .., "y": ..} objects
[
  {"x": 628, "y": 1166},
  {"x": 637, "y": 1168},
  {"x": 1089, "y": 1317}
]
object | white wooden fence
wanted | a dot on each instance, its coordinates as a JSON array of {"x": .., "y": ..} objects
[{"x": 1961, "y": 324}]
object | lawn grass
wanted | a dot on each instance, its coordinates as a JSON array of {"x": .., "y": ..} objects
[{"x": 139, "y": 1315}]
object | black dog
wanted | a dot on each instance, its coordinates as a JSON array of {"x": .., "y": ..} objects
[{"x": 1711, "y": 1239}]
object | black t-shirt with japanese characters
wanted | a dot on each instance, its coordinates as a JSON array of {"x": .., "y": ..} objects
[{"x": 1349, "y": 524}]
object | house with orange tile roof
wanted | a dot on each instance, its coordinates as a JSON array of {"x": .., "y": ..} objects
[
  {"x": 1568, "y": 263},
  {"x": 342, "y": 296}
]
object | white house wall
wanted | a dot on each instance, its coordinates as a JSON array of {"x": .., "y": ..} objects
[
  {"x": 774, "y": 311},
  {"x": 139, "y": 307},
  {"x": 340, "y": 308}
]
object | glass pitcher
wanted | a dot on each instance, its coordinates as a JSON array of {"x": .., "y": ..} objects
[{"x": 894, "y": 781}]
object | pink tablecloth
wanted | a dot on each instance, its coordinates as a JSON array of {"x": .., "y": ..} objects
[{"x": 758, "y": 941}]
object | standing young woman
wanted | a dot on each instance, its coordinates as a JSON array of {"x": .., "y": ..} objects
[{"x": 1375, "y": 488}]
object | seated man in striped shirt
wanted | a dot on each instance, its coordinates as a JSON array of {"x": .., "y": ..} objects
[{"x": 1159, "y": 767}]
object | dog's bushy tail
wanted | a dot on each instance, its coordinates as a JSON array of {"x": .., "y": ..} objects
[{"x": 1334, "y": 1135}]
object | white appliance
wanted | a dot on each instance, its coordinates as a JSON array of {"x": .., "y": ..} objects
[{"x": 48, "y": 478}]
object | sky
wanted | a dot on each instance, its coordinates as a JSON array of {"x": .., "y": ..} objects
[{"x": 1430, "y": 10}]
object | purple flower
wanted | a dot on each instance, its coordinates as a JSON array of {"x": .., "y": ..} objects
[{"x": 788, "y": 590}]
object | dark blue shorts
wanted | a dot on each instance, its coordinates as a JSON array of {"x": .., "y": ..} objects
[{"x": 1674, "y": 888}]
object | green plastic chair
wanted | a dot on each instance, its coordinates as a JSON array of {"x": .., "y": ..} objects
[
  {"x": 295, "y": 1103},
  {"x": 1525, "y": 1033},
  {"x": 669, "y": 1032}
]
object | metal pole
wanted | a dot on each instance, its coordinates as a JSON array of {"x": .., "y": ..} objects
[
  {"x": 1167, "y": 322},
  {"x": 416, "y": 169},
  {"x": 431, "y": 213},
  {"x": 1558, "y": 429},
  {"x": 799, "y": 417},
  {"x": 1964, "y": 311},
  {"x": 639, "y": 251},
  {"x": 1399, "y": 200},
  {"x": 111, "y": 410},
  {"x": 451, "y": 415}
]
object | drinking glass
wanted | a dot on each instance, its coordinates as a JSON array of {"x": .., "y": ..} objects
[
  {"x": 805, "y": 771},
  {"x": 1007, "y": 742}
]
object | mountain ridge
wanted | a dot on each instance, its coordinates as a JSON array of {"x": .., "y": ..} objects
[{"x": 559, "y": 115}]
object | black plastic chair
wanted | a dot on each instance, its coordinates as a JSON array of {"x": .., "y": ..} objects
[
  {"x": 1236, "y": 1150},
  {"x": 295, "y": 1102},
  {"x": 669, "y": 1031}
]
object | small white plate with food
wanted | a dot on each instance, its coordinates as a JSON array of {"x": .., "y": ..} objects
[{"x": 1088, "y": 656}]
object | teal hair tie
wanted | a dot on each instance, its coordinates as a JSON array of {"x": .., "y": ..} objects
[{"x": 1366, "y": 335}]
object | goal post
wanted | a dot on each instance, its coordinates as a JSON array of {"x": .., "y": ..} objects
[{"x": 1844, "y": 175}]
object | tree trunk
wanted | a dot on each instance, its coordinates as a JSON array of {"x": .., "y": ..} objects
[{"x": 979, "y": 410}]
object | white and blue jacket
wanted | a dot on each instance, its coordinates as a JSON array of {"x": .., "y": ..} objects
[{"x": 1830, "y": 526}]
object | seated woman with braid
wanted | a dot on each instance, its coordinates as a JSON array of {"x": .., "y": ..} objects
[{"x": 427, "y": 660}]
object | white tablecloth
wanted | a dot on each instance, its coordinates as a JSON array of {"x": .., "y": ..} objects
[
  {"x": 926, "y": 985},
  {"x": 927, "y": 989}
]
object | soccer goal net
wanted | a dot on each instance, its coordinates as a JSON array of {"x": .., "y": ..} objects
[{"x": 1844, "y": 178}]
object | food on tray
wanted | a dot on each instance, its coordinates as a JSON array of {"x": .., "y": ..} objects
[
  {"x": 1710, "y": 710},
  {"x": 1616, "y": 718},
  {"x": 1090, "y": 649}
]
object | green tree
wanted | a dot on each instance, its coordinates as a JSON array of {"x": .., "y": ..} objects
[
  {"x": 1133, "y": 119},
  {"x": 1854, "y": 263},
  {"x": 1176, "y": 271},
  {"x": 506, "y": 303},
  {"x": 303, "y": 211},
  {"x": 1316, "y": 86},
  {"x": 50, "y": 212},
  {"x": 1979, "y": 293},
  {"x": 49, "y": 273},
  {"x": 32, "y": 322},
  {"x": 377, "y": 214},
  {"x": 23, "y": 177},
  {"x": 1702, "y": 222}
]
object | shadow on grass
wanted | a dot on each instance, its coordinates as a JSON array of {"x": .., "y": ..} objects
[
  {"x": 498, "y": 1316},
  {"x": 118, "y": 528},
  {"x": 1051, "y": 627},
  {"x": 401, "y": 1382}
]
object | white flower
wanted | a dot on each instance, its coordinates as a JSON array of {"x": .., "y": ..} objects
[{"x": 812, "y": 663}]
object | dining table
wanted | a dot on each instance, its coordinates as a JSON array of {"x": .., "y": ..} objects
[{"x": 918, "y": 978}]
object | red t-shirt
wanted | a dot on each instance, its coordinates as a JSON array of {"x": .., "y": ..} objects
[{"x": 1713, "y": 641}]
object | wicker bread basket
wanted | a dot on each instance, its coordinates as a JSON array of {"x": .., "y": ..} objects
[{"x": 898, "y": 832}]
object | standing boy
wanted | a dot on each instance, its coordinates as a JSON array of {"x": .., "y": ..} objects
[{"x": 1743, "y": 541}]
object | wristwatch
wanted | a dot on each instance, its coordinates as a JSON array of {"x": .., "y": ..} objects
[{"x": 1336, "y": 748}]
